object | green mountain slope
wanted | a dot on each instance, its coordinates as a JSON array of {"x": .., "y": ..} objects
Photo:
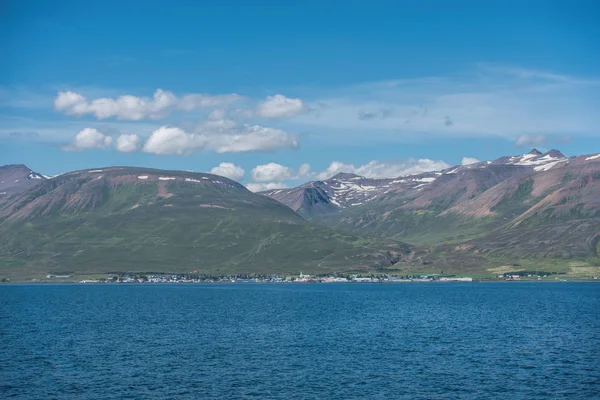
[
  {"x": 144, "y": 220},
  {"x": 424, "y": 215},
  {"x": 467, "y": 221}
]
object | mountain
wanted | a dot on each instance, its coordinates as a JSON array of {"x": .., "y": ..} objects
[
  {"x": 532, "y": 206},
  {"x": 527, "y": 212},
  {"x": 127, "y": 219},
  {"x": 16, "y": 178},
  {"x": 345, "y": 190},
  {"x": 534, "y": 159},
  {"x": 555, "y": 212}
]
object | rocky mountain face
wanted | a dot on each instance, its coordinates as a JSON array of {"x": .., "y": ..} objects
[
  {"x": 455, "y": 184},
  {"x": 16, "y": 178},
  {"x": 553, "y": 212},
  {"x": 345, "y": 191},
  {"x": 532, "y": 205},
  {"x": 123, "y": 219}
]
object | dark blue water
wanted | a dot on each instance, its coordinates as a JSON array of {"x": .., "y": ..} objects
[{"x": 413, "y": 341}]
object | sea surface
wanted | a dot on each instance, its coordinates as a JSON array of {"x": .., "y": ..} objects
[{"x": 301, "y": 341}]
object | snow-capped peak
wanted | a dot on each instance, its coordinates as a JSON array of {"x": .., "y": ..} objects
[
  {"x": 35, "y": 175},
  {"x": 535, "y": 159}
]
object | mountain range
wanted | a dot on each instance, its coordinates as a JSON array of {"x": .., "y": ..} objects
[
  {"x": 533, "y": 211},
  {"x": 128, "y": 219},
  {"x": 533, "y": 206}
]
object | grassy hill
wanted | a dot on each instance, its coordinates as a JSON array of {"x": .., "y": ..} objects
[{"x": 124, "y": 219}]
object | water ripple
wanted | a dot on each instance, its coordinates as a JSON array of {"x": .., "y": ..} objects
[{"x": 353, "y": 341}]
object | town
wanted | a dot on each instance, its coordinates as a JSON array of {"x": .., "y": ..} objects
[
  {"x": 196, "y": 277},
  {"x": 301, "y": 278}
]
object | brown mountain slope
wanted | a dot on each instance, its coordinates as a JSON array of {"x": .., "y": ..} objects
[
  {"x": 535, "y": 205},
  {"x": 127, "y": 219},
  {"x": 16, "y": 178}
]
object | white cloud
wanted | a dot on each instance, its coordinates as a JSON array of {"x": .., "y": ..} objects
[
  {"x": 259, "y": 187},
  {"x": 135, "y": 108},
  {"x": 335, "y": 168},
  {"x": 66, "y": 100},
  {"x": 194, "y": 101},
  {"x": 279, "y": 106},
  {"x": 221, "y": 136},
  {"x": 228, "y": 170},
  {"x": 484, "y": 102},
  {"x": 273, "y": 172},
  {"x": 252, "y": 138},
  {"x": 382, "y": 169},
  {"x": 304, "y": 170},
  {"x": 88, "y": 139},
  {"x": 273, "y": 175},
  {"x": 172, "y": 141},
  {"x": 530, "y": 140},
  {"x": 469, "y": 161},
  {"x": 128, "y": 143}
]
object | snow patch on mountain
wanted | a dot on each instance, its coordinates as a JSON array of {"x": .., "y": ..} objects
[
  {"x": 349, "y": 190},
  {"x": 539, "y": 162},
  {"x": 593, "y": 157},
  {"x": 546, "y": 167}
]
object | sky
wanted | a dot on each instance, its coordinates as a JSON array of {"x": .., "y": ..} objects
[{"x": 273, "y": 94}]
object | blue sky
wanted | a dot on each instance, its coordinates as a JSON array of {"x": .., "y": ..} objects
[{"x": 292, "y": 91}]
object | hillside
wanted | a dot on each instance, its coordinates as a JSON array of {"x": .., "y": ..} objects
[
  {"x": 124, "y": 219},
  {"x": 17, "y": 178},
  {"x": 437, "y": 190},
  {"x": 530, "y": 207},
  {"x": 534, "y": 210}
]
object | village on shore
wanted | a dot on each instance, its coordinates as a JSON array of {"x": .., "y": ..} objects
[
  {"x": 301, "y": 278},
  {"x": 196, "y": 277}
]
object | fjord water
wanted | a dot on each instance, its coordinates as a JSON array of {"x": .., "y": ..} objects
[{"x": 413, "y": 341}]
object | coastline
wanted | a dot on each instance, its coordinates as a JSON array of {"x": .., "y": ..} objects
[{"x": 31, "y": 283}]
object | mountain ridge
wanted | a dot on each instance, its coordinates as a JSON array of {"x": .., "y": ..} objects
[
  {"x": 132, "y": 219},
  {"x": 345, "y": 190},
  {"x": 532, "y": 209},
  {"x": 551, "y": 203}
]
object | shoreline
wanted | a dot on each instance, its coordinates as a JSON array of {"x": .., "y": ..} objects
[{"x": 288, "y": 283}]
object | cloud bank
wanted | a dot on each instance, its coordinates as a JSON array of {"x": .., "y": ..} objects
[
  {"x": 383, "y": 169},
  {"x": 279, "y": 106},
  {"x": 221, "y": 137},
  {"x": 259, "y": 187},
  {"x": 136, "y": 108}
]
